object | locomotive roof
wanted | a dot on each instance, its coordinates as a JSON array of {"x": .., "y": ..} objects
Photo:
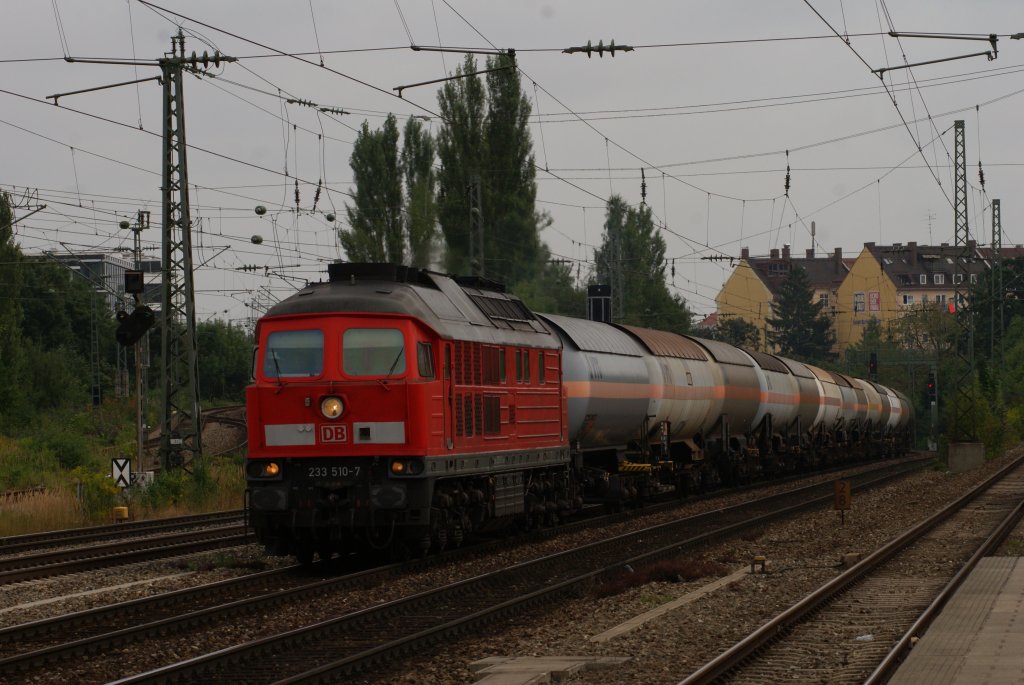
[{"x": 478, "y": 311}]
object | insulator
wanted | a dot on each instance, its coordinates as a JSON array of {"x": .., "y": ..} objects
[
  {"x": 316, "y": 195},
  {"x": 296, "y": 194}
]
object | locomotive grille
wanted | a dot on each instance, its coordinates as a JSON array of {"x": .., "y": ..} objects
[
  {"x": 468, "y": 414},
  {"x": 492, "y": 414},
  {"x": 458, "y": 364},
  {"x": 478, "y": 414},
  {"x": 458, "y": 416}
]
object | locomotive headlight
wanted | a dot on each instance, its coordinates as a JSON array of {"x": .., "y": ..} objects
[
  {"x": 331, "y": 407},
  {"x": 258, "y": 468},
  {"x": 407, "y": 467}
]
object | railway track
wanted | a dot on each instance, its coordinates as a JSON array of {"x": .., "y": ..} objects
[
  {"x": 86, "y": 557},
  {"x": 379, "y": 633},
  {"x": 17, "y": 544},
  {"x": 844, "y": 631},
  {"x": 95, "y": 632}
]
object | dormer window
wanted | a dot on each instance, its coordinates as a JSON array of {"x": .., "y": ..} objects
[
  {"x": 974, "y": 279},
  {"x": 958, "y": 278},
  {"x": 924, "y": 279},
  {"x": 939, "y": 279}
]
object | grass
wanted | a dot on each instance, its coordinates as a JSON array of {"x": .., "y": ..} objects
[
  {"x": 51, "y": 510},
  {"x": 88, "y": 498}
]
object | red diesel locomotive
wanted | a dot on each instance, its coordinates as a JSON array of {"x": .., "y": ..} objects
[{"x": 399, "y": 409}]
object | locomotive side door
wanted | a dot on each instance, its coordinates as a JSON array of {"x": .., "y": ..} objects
[{"x": 447, "y": 380}]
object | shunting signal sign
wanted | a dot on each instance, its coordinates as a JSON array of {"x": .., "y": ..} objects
[{"x": 121, "y": 471}]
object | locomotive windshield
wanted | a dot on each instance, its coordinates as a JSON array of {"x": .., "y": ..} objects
[
  {"x": 293, "y": 354},
  {"x": 373, "y": 352}
]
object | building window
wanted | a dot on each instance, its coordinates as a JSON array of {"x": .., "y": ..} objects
[
  {"x": 908, "y": 299},
  {"x": 858, "y": 302},
  {"x": 924, "y": 279},
  {"x": 974, "y": 279},
  {"x": 940, "y": 299},
  {"x": 924, "y": 299},
  {"x": 939, "y": 279},
  {"x": 823, "y": 299},
  {"x": 958, "y": 278}
]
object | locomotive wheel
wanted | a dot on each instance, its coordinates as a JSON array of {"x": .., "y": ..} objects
[{"x": 304, "y": 555}]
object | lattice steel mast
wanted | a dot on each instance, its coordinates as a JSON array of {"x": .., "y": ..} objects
[{"x": 963, "y": 401}]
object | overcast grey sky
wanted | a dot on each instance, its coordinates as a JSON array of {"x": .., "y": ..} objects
[{"x": 707, "y": 107}]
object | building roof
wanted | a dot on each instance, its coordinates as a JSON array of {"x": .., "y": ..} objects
[
  {"x": 912, "y": 266},
  {"x": 710, "y": 321},
  {"x": 824, "y": 272}
]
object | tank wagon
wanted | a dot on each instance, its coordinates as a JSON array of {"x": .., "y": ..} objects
[{"x": 401, "y": 409}]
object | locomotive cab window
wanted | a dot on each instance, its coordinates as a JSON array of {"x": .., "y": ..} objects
[
  {"x": 294, "y": 354},
  {"x": 373, "y": 352}
]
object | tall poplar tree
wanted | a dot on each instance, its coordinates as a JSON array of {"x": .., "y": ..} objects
[
  {"x": 800, "y": 328},
  {"x": 485, "y": 138},
  {"x": 375, "y": 232},
  {"x": 10, "y": 306},
  {"x": 631, "y": 259},
  {"x": 417, "y": 165}
]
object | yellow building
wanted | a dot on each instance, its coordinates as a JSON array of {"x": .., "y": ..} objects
[
  {"x": 886, "y": 281},
  {"x": 748, "y": 292}
]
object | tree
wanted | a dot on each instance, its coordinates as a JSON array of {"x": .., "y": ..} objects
[
  {"x": 738, "y": 332},
  {"x": 631, "y": 259},
  {"x": 985, "y": 316},
  {"x": 554, "y": 291},
  {"x": 800, "y": 328},
  {"x": 226, "y": 361},
  {"x": 485, "y": 139},
  {"x": 417, "y": 165},
  {"x": 10, "y": 309},
  {"x": 375, "y": 232}
]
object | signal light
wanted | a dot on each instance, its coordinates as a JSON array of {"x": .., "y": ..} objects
[
  {"x": 873, "y": 366},
  {"x": 134, "y": 282},
  {"x": 932, "y": 388},
  {"x": 131, "y": 327}
]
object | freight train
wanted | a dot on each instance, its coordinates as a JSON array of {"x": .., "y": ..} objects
[{"x": 399, "y": 409}]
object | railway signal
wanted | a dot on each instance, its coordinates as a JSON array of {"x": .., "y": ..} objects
[
  {"x": 933, "y": 393},
  {"x": 131, "y": 327}
]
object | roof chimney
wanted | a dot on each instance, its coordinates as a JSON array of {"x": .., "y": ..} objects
[
  {"x": 837, "y": 259},
  {"x": 745, "y": 253},
  {"x": 785, "y": 251},
  {"x": 810, "y": 253},
  {"x": 972, "y": 245},
  {"x": 912, "y": 246},
  {"x": 774, "y": 254}
]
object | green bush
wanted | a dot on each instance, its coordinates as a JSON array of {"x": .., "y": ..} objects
[{"x": 97, "y": 494}]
